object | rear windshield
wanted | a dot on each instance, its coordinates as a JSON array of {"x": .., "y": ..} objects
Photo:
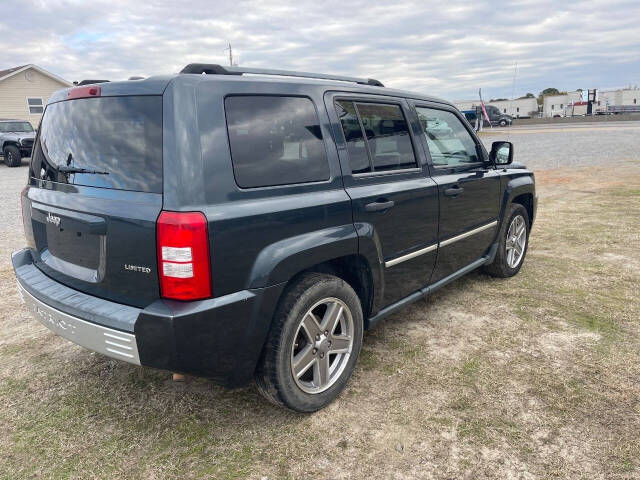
[{"x": 119, "y": 139}]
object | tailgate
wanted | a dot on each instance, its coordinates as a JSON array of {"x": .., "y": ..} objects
[{"x": 94, "y": 195}]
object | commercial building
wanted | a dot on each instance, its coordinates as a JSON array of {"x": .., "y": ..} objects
[
  {"x": 621, "y": 97},
  {"x": 517, "y": 108},
  {"x": 574, "y": 103},
  {"x": 556, "y": 105}
]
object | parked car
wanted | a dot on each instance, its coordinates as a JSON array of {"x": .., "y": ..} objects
[
  {"x": 16, "y": 140},
  {"x": 239, "y": 227},
  {"x": 496, "y": 117}
]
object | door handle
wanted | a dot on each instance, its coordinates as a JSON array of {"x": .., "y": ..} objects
[
  {"x": 453, "y": 191},
  {"x": 379, "y": 206}
]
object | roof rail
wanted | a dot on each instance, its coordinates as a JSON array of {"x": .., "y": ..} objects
[{"x": 213, "y": 69}]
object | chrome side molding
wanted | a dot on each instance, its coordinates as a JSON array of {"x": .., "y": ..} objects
[
  {"x": 451, "y": 240},
  {"x": 444, "y": 243},
  {"x": 411, "y": 255}
]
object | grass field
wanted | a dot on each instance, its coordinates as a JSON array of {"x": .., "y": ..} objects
[{"x": 537, "y": 376}]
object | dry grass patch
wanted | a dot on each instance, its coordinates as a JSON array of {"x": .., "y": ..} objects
[{"x": 532, "y": 377}]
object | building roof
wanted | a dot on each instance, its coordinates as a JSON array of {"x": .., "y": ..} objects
[
  {"x": 10, "y": 72},
  {"x": 6, "y": 72}
]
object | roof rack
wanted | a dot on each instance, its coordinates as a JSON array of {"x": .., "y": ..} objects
[
  {"x": 213, "y": 69},
  {"x": 89, "y": 82}
]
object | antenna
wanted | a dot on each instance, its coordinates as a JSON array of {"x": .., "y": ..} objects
[
  {"x": 230, "y": 54},
  {"x": 513, "y": 92}
]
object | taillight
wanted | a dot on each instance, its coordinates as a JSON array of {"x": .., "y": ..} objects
[{"x": 183, "y": 256}]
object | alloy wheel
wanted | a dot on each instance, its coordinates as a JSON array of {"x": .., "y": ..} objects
[
  {"x": 322, "y": 345},
  {"x": 516, "y": 241}
]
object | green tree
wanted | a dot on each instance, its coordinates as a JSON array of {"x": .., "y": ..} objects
[{"x": 529, "y": 95}]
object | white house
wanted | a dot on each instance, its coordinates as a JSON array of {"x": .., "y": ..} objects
[{"x": 24, "y": 92}]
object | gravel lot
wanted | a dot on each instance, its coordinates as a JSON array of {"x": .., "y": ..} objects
[
  {"x": 553, "y": 146},
  {"x": 12, "y": 181},
  {"x": 537, "y": 376}
]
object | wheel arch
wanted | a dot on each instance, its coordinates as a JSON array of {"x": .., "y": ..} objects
[
  {"x": 342, "y": 251},
  {"x": 11, "y": 143},
  {"x": 526, "y": 200},
  {"x": 521, "y": 190},
  {"x": 352, "y": 268}
]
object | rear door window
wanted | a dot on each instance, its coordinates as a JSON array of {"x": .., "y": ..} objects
[
  {"x": 275, "y": 141},
  {"x": 377, "y": 136},
  {"x": 117, "y": 139}
]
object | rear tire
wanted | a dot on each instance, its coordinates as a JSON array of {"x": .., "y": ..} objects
[
  {"x": 12, "y": 157},
  {"x": 513, "y": 243},
  {"x": 313, "y": 345}
]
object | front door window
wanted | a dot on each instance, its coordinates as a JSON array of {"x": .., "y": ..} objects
[{"x": 449, "y": 142}]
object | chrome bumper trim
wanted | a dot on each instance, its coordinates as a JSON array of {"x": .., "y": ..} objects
[{"x": 107, "y": 341}]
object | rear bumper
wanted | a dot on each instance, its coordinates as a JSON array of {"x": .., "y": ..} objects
[
  {"x": 107, "y": 341},
  {"x": 219, "y": 338}
]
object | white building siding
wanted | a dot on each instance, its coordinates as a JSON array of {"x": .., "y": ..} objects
[
  {"x": 556, "y": 104},
  {"x": 630, "y": 97},
  {"x": 466, "y": 104},
  {"x": 520, "y": 107},
  {"x": 15, "y": 90}
]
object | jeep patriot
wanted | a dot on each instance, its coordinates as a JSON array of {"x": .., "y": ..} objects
[{"x": 243, "y": 224}]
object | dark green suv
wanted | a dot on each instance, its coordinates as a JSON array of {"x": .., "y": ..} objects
[{"x": 240, "y": 226}]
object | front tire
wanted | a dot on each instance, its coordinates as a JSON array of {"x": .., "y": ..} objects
[
  {"x": 503, "y": 123},
  {"x": 313, "y": 345},
  {"x": 513, "y": 243},
  {"x": 12, "y": 157}
]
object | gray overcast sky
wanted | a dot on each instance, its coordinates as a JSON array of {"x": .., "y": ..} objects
[{"x": 444, "y": 48}]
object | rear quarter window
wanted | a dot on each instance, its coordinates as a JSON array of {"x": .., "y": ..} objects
[{"x": 275, "y": 140}]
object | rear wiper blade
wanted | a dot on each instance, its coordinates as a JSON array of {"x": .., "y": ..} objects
[{"x": 64, "y": 169}]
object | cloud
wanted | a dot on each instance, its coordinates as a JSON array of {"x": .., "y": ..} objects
[{"x": 448, "y": 49}]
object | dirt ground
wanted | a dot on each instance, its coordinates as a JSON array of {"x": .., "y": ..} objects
[{"x": 537, "y": 376}]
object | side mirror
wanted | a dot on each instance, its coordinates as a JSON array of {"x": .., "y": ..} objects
[{"x": 501, "y": 153}]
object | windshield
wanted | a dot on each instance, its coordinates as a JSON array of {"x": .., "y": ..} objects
[
  {"x": 119, "y": 137},
  {"x": 15, "y": 127}
]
